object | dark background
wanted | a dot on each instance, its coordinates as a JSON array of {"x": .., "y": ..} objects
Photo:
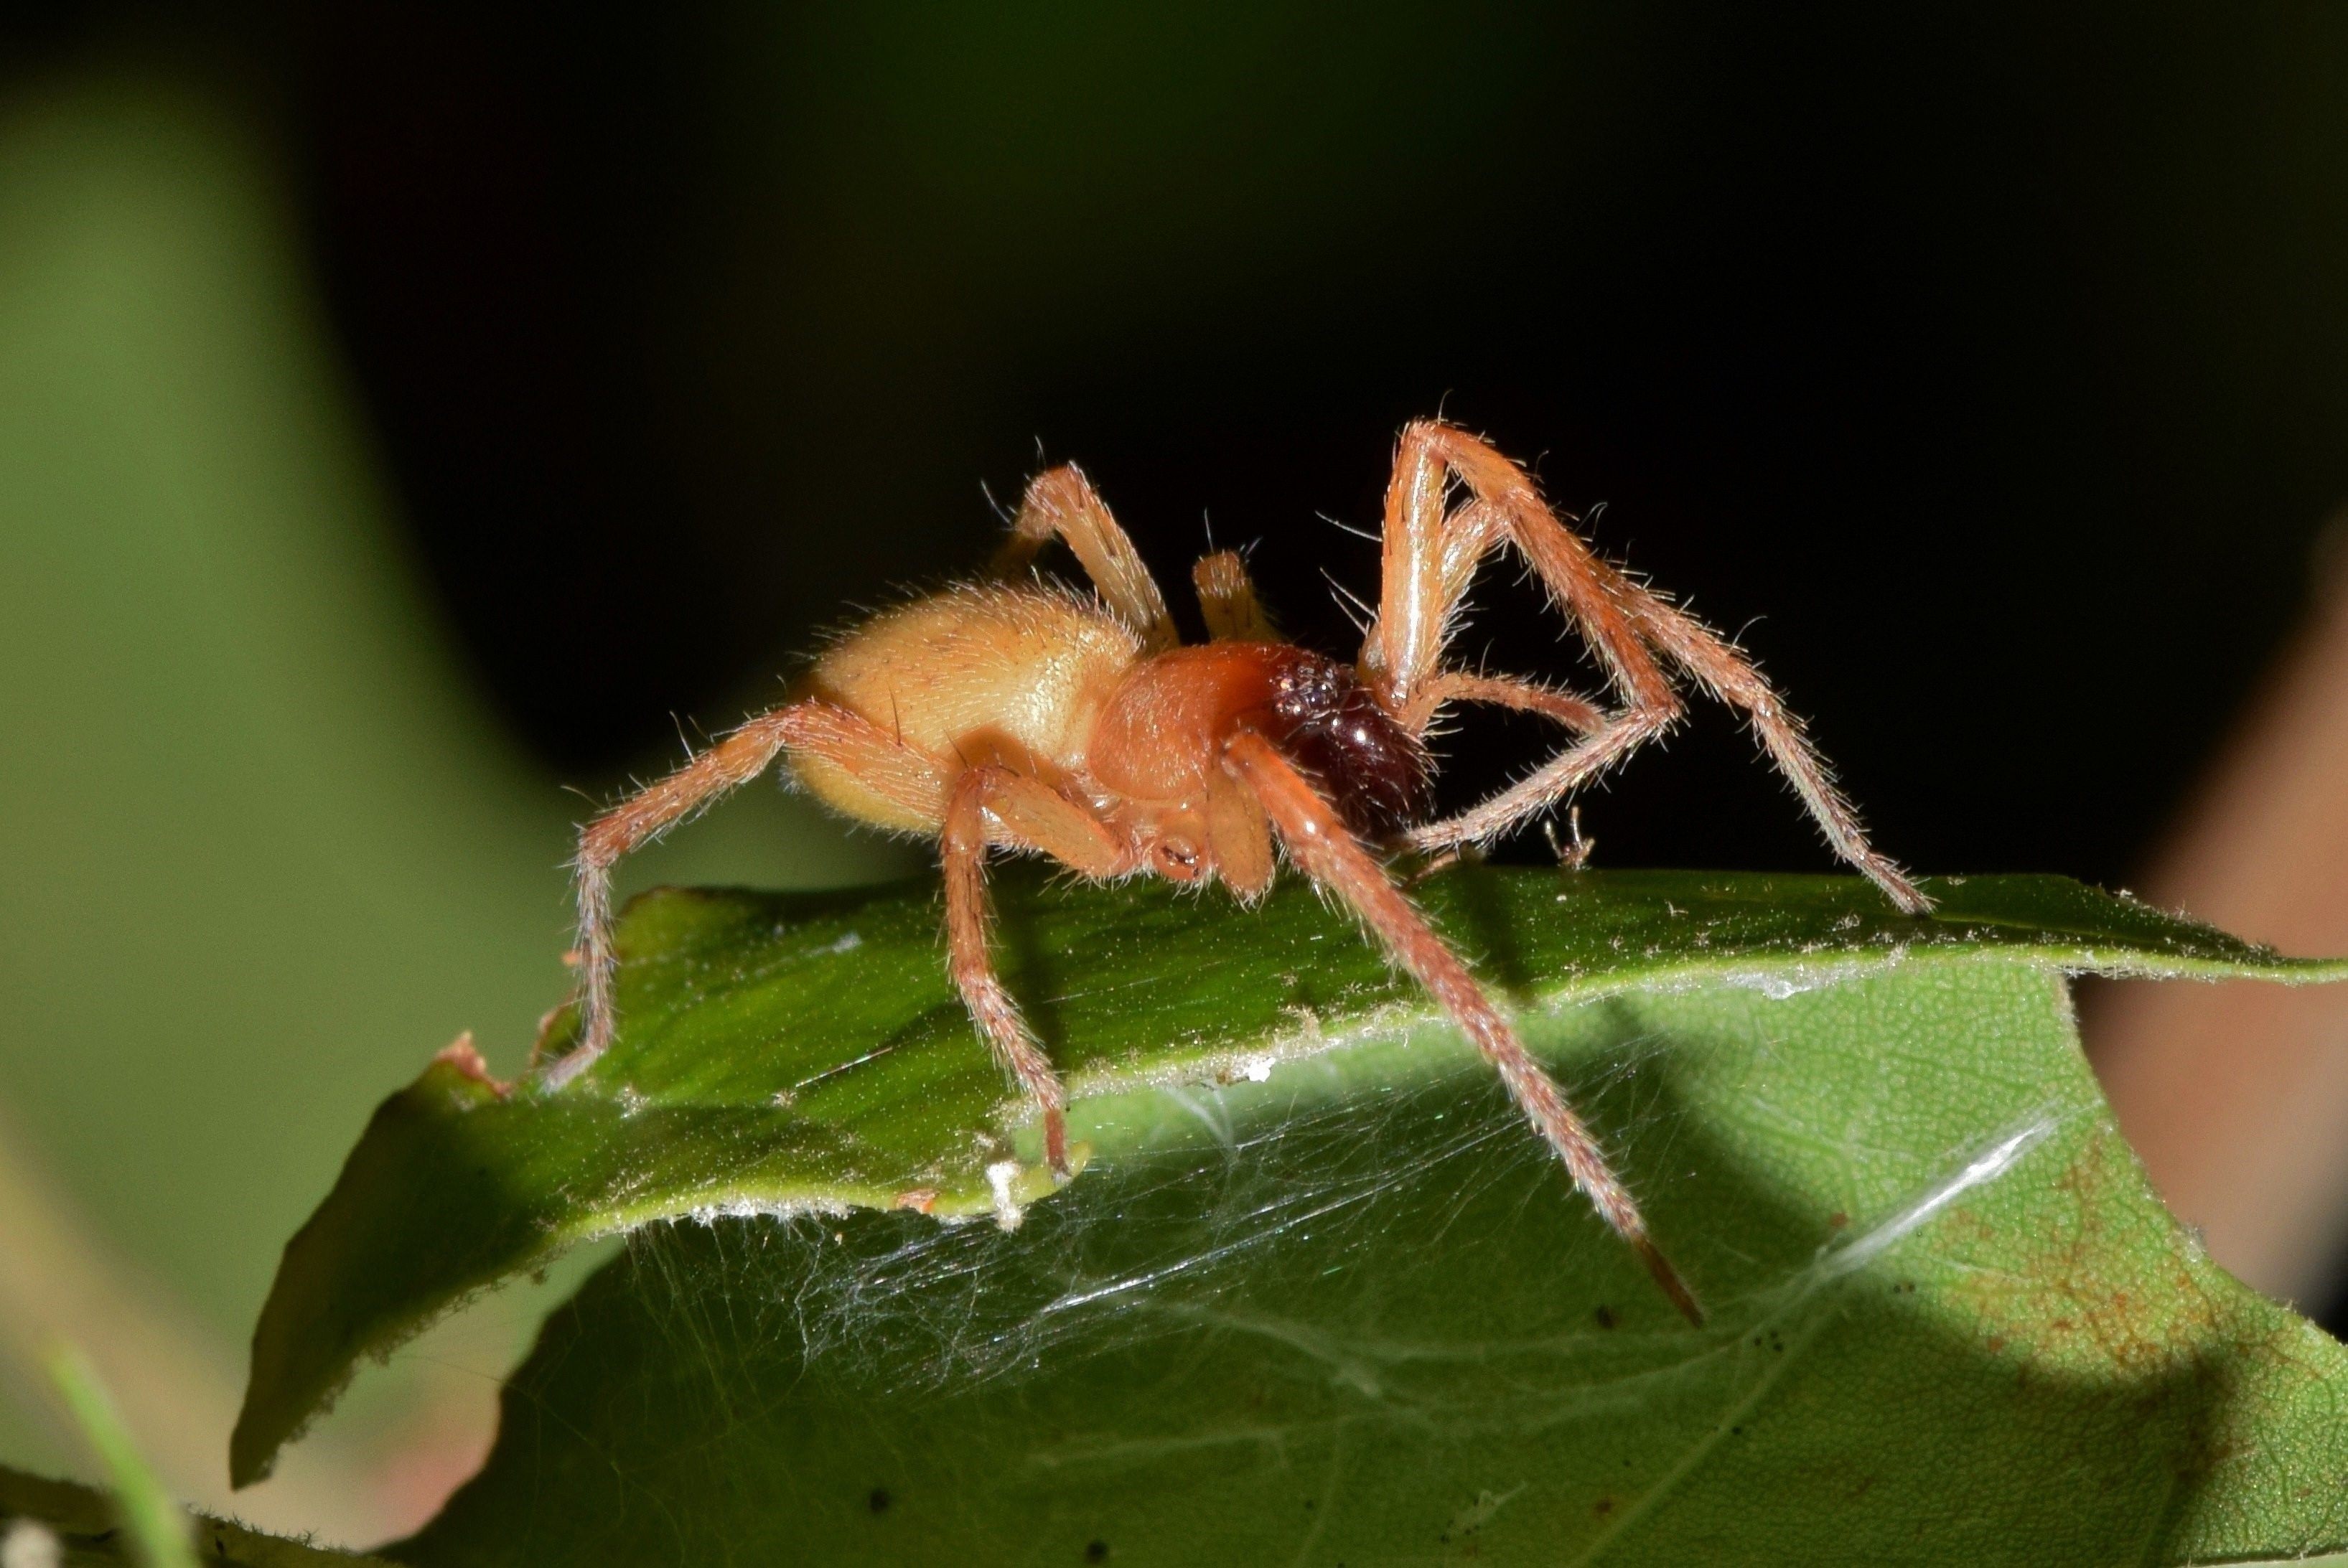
[{"x": 1998, "y": 357}]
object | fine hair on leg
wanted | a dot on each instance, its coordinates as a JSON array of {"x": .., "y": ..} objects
[
  {"x": 1512, "y": 692},
  {"x": 994, "y": 804},
  {"x": 1318, "y": 841},
  {"x": 1430, "y": 551},
  {"x": 1061, "y": 501},
  {"x": 890, "y": 768}
]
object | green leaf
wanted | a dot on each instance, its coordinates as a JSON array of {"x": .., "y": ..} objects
[
  {"x": 84, "y": 1526},
  {"x": 1319, "y": 1295}
]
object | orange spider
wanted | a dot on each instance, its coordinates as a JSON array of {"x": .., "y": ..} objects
[{"x": 1016, "y": 714}]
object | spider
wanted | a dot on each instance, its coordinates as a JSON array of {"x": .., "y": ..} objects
[{"x": 1013, "y": 713}]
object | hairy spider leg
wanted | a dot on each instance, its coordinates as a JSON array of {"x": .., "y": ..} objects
[
  {"x": 1227, "y": 598},
  {"x": 1320, "y": 844},
  {"x": 976, "y": 807},
  {"x": 908, "y": 776},
  {"x": 1025, "y": 813},
  {"x": 1513, "y": 692},
  {"x": 1425, "y": 567},
  {"x": 1062, "y": 501},
  {"x": 1576, "y": 713}
]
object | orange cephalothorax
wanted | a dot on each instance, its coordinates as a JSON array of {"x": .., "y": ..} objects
[
  {"x": 1017, "y": 716},
  {"x": 1160, "y": 736}
]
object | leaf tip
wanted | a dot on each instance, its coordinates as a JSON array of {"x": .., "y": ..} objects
[{"x": 466, "y": 1058}]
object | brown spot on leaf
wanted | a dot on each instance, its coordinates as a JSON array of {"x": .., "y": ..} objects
[{"x": 2087, "y": 1290}]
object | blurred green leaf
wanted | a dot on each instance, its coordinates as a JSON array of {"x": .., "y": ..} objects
[
  {"x": 155, "y": 1526},
  {"x": 84, "y": 1526},
  {"x": 263, "y": 837},
  {"x": 1315, "y": 1270}
]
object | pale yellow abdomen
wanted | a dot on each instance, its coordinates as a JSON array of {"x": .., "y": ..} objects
[{"x": 1015, "y": 674}]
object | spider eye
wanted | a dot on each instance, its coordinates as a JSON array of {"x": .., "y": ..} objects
[{"x": 1309, "y": 692}]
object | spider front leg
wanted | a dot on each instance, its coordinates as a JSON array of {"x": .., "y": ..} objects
[
  {"x": 1512, "y": 692},
  {"x": 994, "y": 804},
  {"x": 816, "y": 729},
  {"x": 1429, "y": 555},
  {"x": 1323, "y": 849}
]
